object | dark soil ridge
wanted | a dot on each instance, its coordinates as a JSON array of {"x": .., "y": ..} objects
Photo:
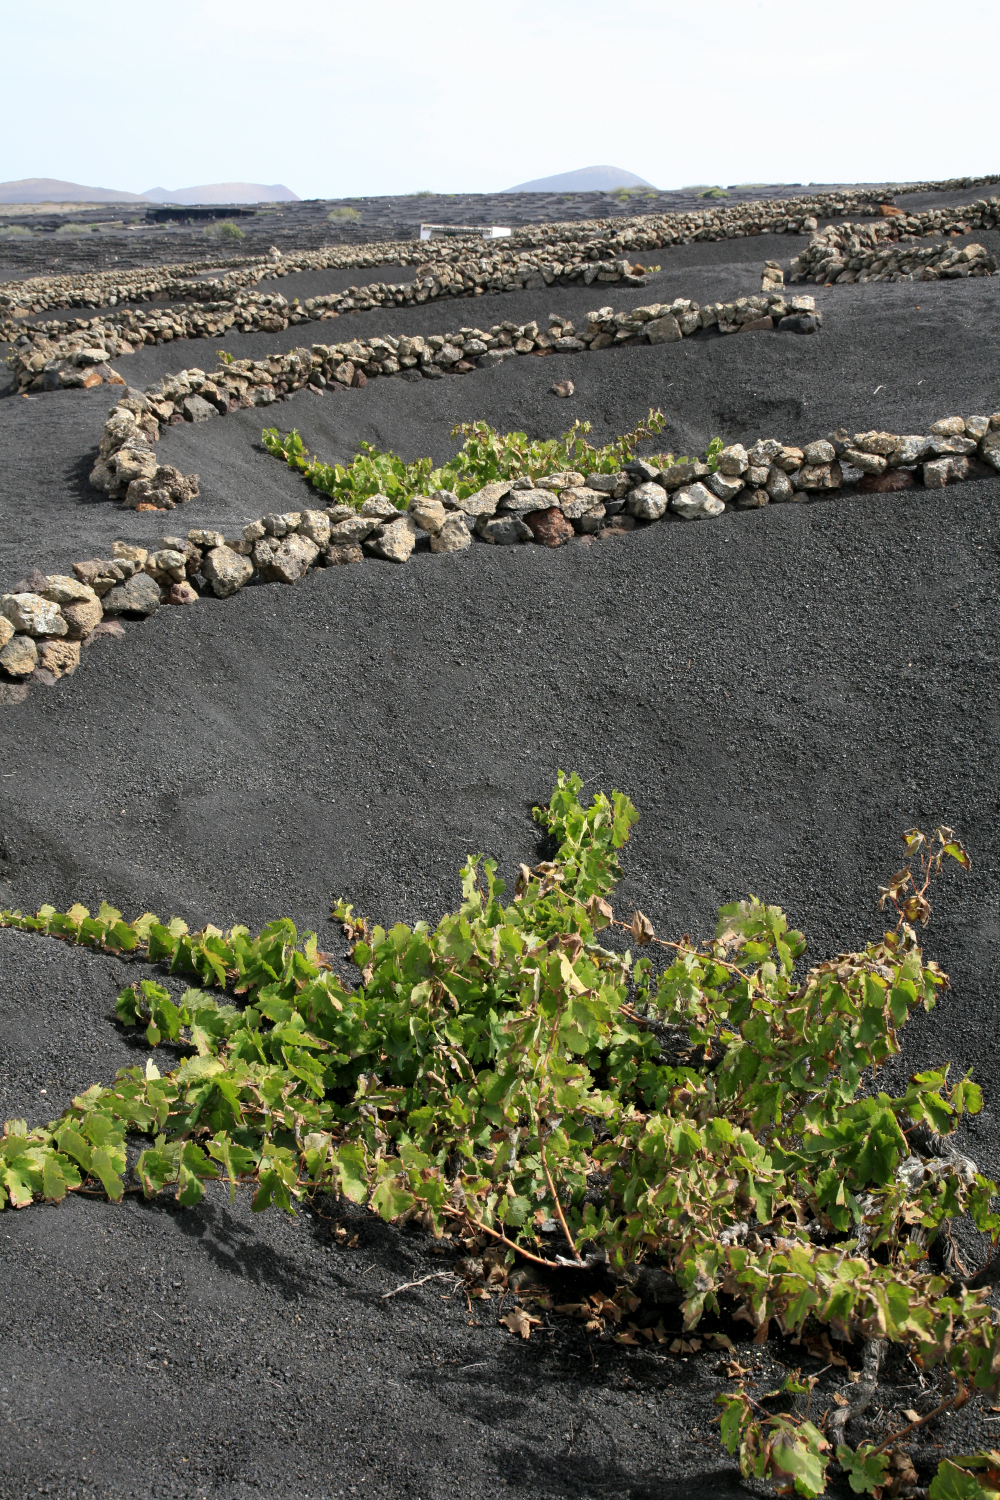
[{"x": 780, "y": 694}]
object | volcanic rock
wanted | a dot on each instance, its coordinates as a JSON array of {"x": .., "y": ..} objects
[
  {"x": 82, "y": 617},
  {"x": 181, "y": 593},
  {"x": 550, "y": 528},
  {"x": 61, "y": 658},
  {"x": 504, "y": 530},
  {"x": 139, "y": 595},
  {"x": 454, "y": 535},
  {"x": 32, "y": 614},
  {"x": 648, "y": 502},
  {"x": 292, "y": 557},
  {"x": 696, "y": 503},
  {"x": 20, "y": 656},
  {"x": 395, "y": 541},
  {"x": 227, "y": 571},
  {"x": 887, "y": 483},
  {"x": 343, "y": 553}
]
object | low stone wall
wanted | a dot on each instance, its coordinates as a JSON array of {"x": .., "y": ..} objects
[
  {"x": 847, "y": 253},
  {"x": 56, "y": 356},
  {"x": 46, "y": 619},
  {"x": 558, "y": 249},
  {"x": 127, "y": 469}
]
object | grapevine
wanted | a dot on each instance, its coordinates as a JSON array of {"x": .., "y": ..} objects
[{"x": 709, "y": 1110}]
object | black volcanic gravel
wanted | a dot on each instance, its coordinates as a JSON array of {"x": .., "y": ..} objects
[{"x": 781, "y": 693}]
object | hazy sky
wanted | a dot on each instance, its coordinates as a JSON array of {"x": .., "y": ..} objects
[{"x": 337, "y": 99}]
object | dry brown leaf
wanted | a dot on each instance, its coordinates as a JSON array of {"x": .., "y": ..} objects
[
  {"x": 718, "y": 1341},
  {"x": 839, "y": 1400},
  {"x": 823, "y": 1349},
  {"x": 604, "y": 1307},
  {"x": 642, "y": 928},
  {"x": 628, "y": 1337},
  {"x": 914, "y": 1416},
  {"x": 734, "y": 1369},
  {"x": 518, "y": 1321},
  {"x": 352, "y": 1243}
]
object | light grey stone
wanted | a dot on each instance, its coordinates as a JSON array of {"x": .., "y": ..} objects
[
  {"x": 292, "y": 557},
  {"x": 522, "y": 502},
  {"x": 944, "y": 447},
  {"x": 565, "y": 479},
  {"x": 131, "y": 462},
  {"x": 315, "y": 526},
  {"x": 428, "y": 514},
  {"x": 579, "y": 500},
  {"x": 696, "y": 503},
  {"x": 485, "y": 501},
  {"x": 32, "y": 614},
  {"x": 352, "y": 530},
  {"x": 733, "y": 461},
  {"x": 615, "y": 485},
  {"x": 167, "y": 565},
  {"x": 65, "y": 590},
  {"x": 819, "y": 452},
  {"x": 648, "y": 502},
  {"x": 868, "y": 463},
  {"x": 20, "y": 656},
  {"x": 820, "y": 476},
  {"x": 674, "y": 475},
  {"x": 779, "y": 486},
  {"x": 395, "y": 541},
  {"x": 139, "y": 595},
  {"x": 502, "y": 530},
  {"x": 454, "y": 535},
  {"x": 910, "y": 450},
  {"x": 763, "y": 452},
  {"x": 379, "y": 506},
  {"x": 665, "y": 330},
  {"x": 724, "y": 486},
  {"x": 197, "y": 409},
  {"x": 227, "y": 571}
]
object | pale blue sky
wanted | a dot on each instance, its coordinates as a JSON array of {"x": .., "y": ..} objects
[{"x": 339, "y": 99}]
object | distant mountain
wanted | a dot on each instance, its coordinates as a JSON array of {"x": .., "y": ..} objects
[
  {"x": 51, "y": 190},
  {"x": 586, "y": 180},
  {"x": 225, "y": 192}
]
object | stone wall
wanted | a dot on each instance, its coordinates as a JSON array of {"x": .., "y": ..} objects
[
  {"x": 45, "y": 619},
  {"x": 126, "y": 467},
  {"x": 57, "y": 355},
  {"x": 559, "y": 249},
  {"x": 847, "y": 253}
]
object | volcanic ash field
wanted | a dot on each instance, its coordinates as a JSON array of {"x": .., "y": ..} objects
[{"x": 781, "y": 690}]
